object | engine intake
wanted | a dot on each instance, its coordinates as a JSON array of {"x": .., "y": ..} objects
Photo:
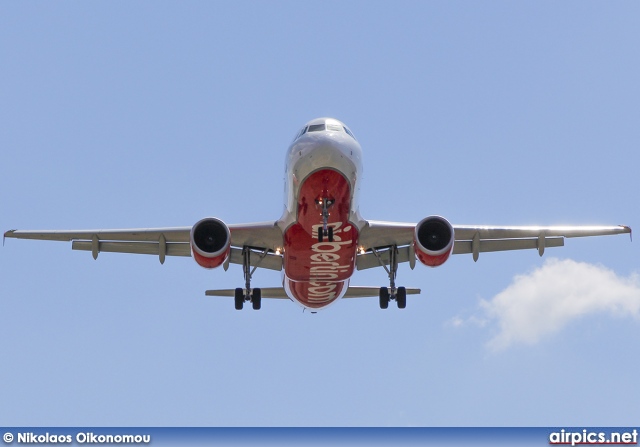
[
  {"x": 433, "y": 240},
  {"x": 210, "y": 242}
]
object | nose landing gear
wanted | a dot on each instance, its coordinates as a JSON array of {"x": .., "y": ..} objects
[{"x": 326, "y": 231}]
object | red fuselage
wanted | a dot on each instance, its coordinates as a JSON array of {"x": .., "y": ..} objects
[{"x": 321, "y": 165}]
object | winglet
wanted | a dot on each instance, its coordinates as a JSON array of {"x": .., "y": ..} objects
[
  {"x": 627, "y": 229},
  {"x": 7, "y": 233}
]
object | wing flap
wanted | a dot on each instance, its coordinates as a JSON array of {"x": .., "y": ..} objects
[
  {"x": 383, "y": 234},
  {"x": 259, "y": 234},
  {"x": 143, "y": 248},
  {"x": 466, "y": 247},
  {"x": 467, "y": 232},
  {"x": 266, "y": 261},
  {"x": 370, "y": 260}
]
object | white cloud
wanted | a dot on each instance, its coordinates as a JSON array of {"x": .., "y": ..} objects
[{"x": 544, "y": 301}]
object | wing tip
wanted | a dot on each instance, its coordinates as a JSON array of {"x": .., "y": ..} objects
[
  {"x": 627, "y": 229},
  {"x": 7, "y": 234}
]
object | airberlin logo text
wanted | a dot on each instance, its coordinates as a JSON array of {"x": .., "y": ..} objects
[
  {"x": 81, "y": 438},
  {"x": 327, "y": 272}
]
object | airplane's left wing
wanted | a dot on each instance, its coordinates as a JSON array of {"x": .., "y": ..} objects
[
  {"x": 477, "y": 239},
  {"x": 378, "y": 236},
  {"x": 162, "y": 242}
]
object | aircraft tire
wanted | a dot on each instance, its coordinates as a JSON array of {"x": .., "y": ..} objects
[
  {"x": 256, "y": 299},
  {"x": 239, "y": 298},
  {"x": 401, "y": 297},
  {"x": 384, "y": 297}
]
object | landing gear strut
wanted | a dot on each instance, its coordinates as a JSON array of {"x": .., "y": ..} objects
[
  {"x": 248, "y": 294},
  {"x": 399, "y": 294},
  {"x": 326, "y": 231}
]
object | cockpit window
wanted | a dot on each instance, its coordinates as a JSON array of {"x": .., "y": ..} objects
[
  {"x": 302, "y": 132},
  {"x": 349, "y": 132},
  {"x": 331, "y": 127},
  {"x": 316, "y": 127}
]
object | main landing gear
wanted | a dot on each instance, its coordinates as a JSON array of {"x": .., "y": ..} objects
[
  {"x": 386, "y": 296},
  {"x": 399, "y": 294},
  {"x": 248, "y": 294},
  {"x": 326, "y": 231},
  {"x": 255, "y": 297}
]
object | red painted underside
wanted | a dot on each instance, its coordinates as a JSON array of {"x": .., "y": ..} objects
[
  {"x": 315, "y": 295},
  {"x": 210, "y": 262},
  {"x": 430, "y": 260},
  {"x": 317, "y": 273}
]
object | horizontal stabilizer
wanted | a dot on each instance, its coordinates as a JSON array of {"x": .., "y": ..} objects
[
  {"x": 365, "y": 292},
  {"x": 278, "y": 292},
  {"x": 266, "y": 292}
]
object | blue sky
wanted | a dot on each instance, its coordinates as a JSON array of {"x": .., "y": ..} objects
[{"x": 120, "y": 114}]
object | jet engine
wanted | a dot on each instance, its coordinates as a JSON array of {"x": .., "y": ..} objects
[
  {"x": 210, "y": 242},
  {"x": 433, "y": 240}
]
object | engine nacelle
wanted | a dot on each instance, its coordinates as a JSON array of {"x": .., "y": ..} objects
[
  {"x": 210, "y": 242},
  {"x": 433, "y": 240}
]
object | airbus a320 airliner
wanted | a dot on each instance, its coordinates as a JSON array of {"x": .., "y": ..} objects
[{"x": 321, "y": 238}]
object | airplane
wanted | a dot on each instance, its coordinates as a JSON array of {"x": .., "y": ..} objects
[{"x": 321, "y": 238}]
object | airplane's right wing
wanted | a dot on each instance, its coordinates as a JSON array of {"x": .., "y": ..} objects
[{"x": 262, "y": 237}]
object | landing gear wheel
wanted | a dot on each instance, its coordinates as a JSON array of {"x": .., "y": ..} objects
[
  {"x": 256, "y": 299},
  {"x": 401, "y": 297},
  {"x": 239, "y": 298},
  {"x": 384, "y": 297},
  {"x": 326, "y": 231}
]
